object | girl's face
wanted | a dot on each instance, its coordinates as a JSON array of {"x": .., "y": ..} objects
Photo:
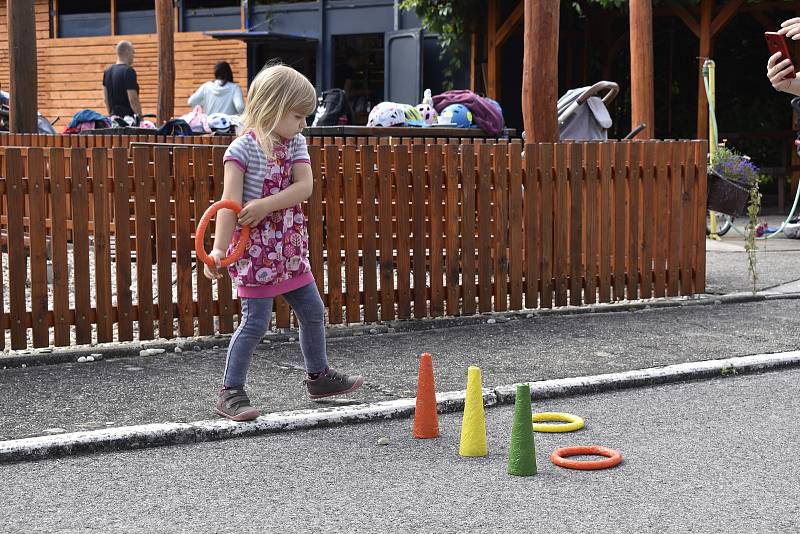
[{"x": 290, "y": 125}]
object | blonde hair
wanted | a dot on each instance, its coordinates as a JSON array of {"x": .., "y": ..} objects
[{"x": 274, "y": 92}]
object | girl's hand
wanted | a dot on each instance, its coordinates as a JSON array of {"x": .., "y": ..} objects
[
  {"x": 212, "y": 273},
  {"x": 791, "y": 28},
  {"x": 254, "y": 212},
  {"x": 777, "y": 70}
]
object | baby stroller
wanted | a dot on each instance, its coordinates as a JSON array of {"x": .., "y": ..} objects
[
  {"x": 44, "y": 126},
  {"x": 583, "y": 114}
]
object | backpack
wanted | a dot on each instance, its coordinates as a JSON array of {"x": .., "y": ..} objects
[{"x": 333, "y": 109}]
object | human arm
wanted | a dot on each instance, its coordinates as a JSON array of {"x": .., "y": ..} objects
[
  {"x": 232, "y": 189},
  {"x": 133, "y": 98},
  {"x": 107, "y": 99},
  {"x": 197, "y": 99},
  {"x": 238, "y": 100},
  {"x": 300, "y": 189},
  {"x": 132, "y": 88}
]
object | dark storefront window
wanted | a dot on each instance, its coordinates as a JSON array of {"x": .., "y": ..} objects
[
  {"x": 86, "y": 18},
  {"x": 358, "y": 69},
  {"x": 209, "y": 15},
  {"x": 135, "y": 16}
]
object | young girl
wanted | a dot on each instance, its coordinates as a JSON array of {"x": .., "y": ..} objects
[{"x": 268, "y": 171}]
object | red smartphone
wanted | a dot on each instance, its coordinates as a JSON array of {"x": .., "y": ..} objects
[{"x": 777, "y": 43}]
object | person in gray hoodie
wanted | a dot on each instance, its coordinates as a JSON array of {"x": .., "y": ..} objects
[{"x": 220, "y": 95}]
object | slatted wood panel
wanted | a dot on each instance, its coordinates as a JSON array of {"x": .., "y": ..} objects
[
  {"x": 369, "y": 267},
  {"x": 79, "y": 195},
  {"x": 436, "y": 217},
  {"x": 70, "y": 70},
  {"x": 102, "y": 245},
  {"x": 121, "y": 187},
  {"x": 37, "y": 213},
  {"x": 565, "y": 224},
  {"x": 224, "y": 291},
  {"x": 201, "y": 187}
]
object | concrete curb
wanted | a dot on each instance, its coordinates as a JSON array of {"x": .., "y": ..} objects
[
  {"x": 153, "y": 435},
  {"x": 58, "y": 355}
]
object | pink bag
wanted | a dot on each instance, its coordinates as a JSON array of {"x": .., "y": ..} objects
[{"x": 197, "y": 120}]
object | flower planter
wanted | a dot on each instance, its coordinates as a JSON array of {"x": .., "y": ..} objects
[{"x": 726, "y": 196}]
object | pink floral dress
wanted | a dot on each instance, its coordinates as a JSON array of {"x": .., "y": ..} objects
[{"x": 276, "y": 257}]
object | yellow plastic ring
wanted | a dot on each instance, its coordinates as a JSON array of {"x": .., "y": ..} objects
[{"x": 570, "y": 424}]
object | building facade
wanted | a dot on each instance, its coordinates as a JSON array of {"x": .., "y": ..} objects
[{"x": 376, "y": 50}]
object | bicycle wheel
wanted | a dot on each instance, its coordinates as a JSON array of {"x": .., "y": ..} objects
[{"x": 724, "y": 223}]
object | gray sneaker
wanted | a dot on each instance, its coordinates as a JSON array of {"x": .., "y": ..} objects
[
  {"x": 235, "y": 405},
  {"x": 332, "y": 382}
]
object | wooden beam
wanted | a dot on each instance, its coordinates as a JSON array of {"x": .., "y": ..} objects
[
  {"x": 21, "y": 21},
  {"x": 493, "y": 55},
  {"x": 725, "y": 15},
  {"x": 540, "y": 71},
  {"x": 113, "y": 17},
  {"x": 687, "y": 18},
  {"x": 706, "y": 12},
  {"x": 166, "y": 59},
  {"x": 511, "y": 23},
  {"x": 641, "y": 35}
]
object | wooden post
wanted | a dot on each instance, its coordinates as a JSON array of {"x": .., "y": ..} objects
[
  {"x": 540, "y": 71},
  {"x": 22, "y": 66},
  {"x": 493, "y": 58},
  {"x": 166, "y": 59},
  {"x": 473, "y": 61},
  {"x": 641, "y": 35},
  {"x": 706, "y": 14}
]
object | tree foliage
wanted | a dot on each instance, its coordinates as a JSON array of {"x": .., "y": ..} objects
[{"x": 455, "y": 20}]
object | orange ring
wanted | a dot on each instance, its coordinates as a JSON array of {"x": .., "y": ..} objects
[
  {"x": 199, "y": 247},
  {"x": 613, "y": 457}
]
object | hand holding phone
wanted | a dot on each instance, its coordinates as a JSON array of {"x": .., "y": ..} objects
[{"x": 776, "y": 43}]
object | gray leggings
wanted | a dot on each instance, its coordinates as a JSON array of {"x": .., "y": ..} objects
[{"x": 256, "y": 314}]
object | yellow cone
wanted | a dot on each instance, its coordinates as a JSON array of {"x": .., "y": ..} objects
[{"x": 473, "y": 425}]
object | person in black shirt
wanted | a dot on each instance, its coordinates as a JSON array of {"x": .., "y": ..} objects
[{"x": 120, "y": 88}]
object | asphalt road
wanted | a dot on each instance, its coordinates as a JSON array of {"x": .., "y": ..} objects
[
  {"x": 181, "y": 387},
  {"x": 705, "y": 456}
]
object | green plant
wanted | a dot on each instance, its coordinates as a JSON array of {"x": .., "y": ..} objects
[{"x": 739, "y": 168}]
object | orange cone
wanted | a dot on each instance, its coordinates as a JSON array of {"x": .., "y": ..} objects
[{"x": 426, "y": 420}]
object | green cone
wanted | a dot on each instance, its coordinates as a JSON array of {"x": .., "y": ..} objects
[{"x": 522, "y": 453}]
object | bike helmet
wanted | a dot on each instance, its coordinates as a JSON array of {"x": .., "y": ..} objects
[
  {"x": 413, "y": 116},
  {"x": 428, "y": 113},
  {"x": 387, "y": 114},
  {"x": 456, "y": 114}
]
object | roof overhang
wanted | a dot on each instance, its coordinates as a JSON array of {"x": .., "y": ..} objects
[{"x": 259, "y": 36}]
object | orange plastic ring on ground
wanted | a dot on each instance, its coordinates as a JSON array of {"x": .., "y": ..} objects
[
  {"x": 199, "y": 247},
  {"x": 559, "y": 457}
]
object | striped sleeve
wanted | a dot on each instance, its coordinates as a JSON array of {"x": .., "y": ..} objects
[
  {"x": 299, "y": 150},
  {"x": 237, "y": 153}
]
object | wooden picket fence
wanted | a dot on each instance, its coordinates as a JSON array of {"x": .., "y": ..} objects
[
  {"x": 396, "y": 232},
  {"x": 113, "y": 141},
  {"x": 105, "y": 141}
]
